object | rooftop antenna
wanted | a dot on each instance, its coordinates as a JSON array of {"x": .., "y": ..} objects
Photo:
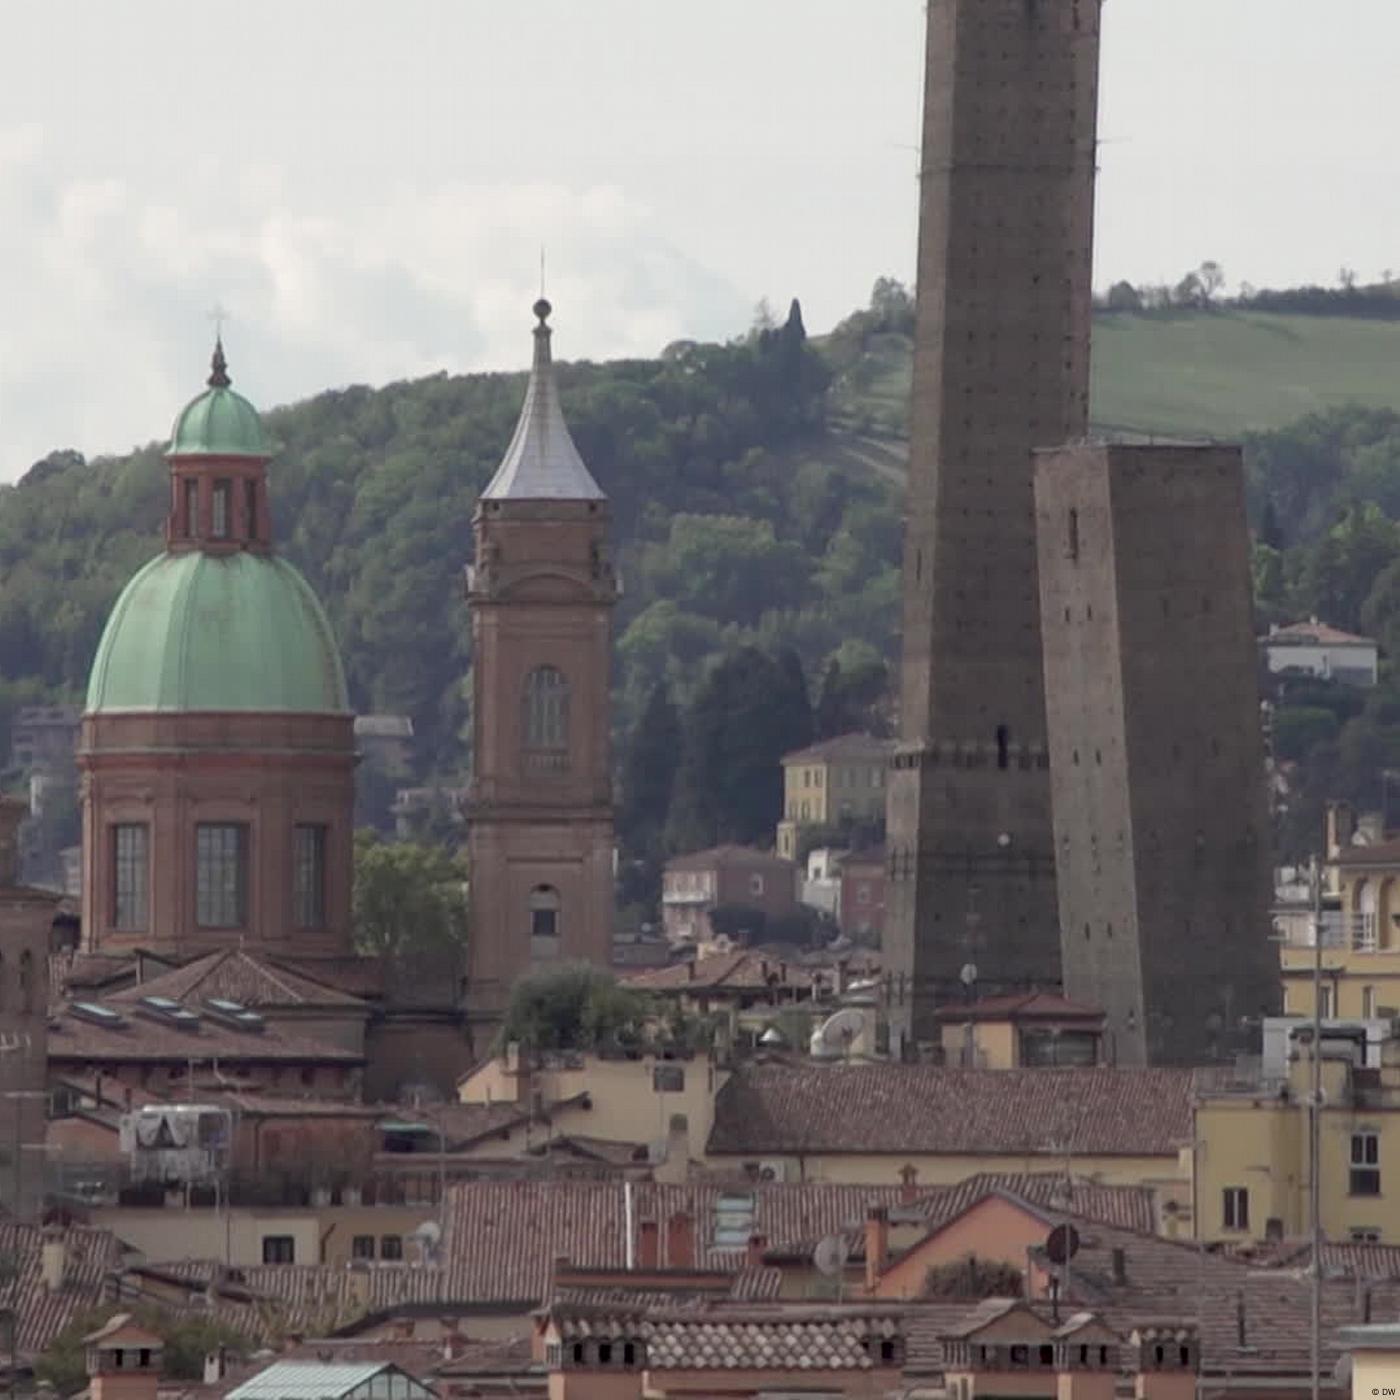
[{"x": 830, "y": 1257}]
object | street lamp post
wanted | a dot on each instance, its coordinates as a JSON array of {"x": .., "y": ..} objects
[{"x": 1315, "y": 1134}]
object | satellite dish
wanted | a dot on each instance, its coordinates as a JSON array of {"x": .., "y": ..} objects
[
  {"x": 836, "y": 1034},
  {"x": 968, "y": 975},
  {"x": 830, "y": 1255},
  {"x": 1062, "y": 1244}
]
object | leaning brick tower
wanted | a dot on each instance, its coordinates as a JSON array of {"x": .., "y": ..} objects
[{"x": 1001, "y": 366}]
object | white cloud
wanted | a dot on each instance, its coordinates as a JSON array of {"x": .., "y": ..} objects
[{"x": 107, "y": 290}]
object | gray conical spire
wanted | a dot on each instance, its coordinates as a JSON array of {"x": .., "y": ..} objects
[{"x": 542, "y": 463}]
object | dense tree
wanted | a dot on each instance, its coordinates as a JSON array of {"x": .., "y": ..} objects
[
  {"x": 854, "y": 692},
  {"x": 649, "y": 773},
  {"x": 575, "y": 1006},
  {"x": 410, "y": 909},
  {"x": 743, "y": 718}
]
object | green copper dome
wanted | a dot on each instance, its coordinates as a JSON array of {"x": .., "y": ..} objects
[
  {"x": 219, "y": 423},
  {"x": 196, "y": 631}
]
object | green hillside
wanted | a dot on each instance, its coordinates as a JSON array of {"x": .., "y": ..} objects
[{"x": 1215, "y": 374}]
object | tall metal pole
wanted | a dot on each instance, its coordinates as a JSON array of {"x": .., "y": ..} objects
[{"x": 1315, "y": 1133}]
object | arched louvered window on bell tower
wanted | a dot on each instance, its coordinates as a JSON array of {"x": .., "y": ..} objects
[{"x": 546, "y": 720}]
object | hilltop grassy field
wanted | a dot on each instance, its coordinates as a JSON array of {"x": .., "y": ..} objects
[{"x": 1212, "y": 374}]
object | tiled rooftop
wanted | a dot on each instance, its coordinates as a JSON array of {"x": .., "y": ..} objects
[
  {"x": 906, "y": 1109},
  {"x": 844, "y": 748},
  {"x": 74, "y": 1040},
  {"x": 716, "y": 856},
  {"x": 741, "y": 971},
  {"x": 1315, "y": 633},
  {"x": 1028, "y": 1006},
  {"x": 785, "y": 1338},
  {"x": 91, "y": 1255},
  {"x": 236, "y": 975}
]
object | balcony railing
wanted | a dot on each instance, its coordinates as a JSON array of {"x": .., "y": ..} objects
[{"x": 1357, "y": 933}]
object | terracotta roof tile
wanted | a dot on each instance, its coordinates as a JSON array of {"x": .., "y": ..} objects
[
  {"x": 852, "y": 748},
  {"x": 740, "y": 971},
  {"x": 1380, "y": 853},
  {"x": 898, "y": 1108},
  {"x": 1027, "y": 1006},
  {"x": 1314, "y": 633},
  {"x": 752, "y": 1338},
  {"x": 356, "y": 976},
  {"x": 503, "y": 1237},
  {"x": 726, "y": 855},
  {"x": 91, "y": 1256},
  {"x": 74, "y": 1041},
  {"x": 237, "y": 975}
]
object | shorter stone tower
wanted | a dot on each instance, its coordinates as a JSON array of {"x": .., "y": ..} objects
[
  {"x": 1156, "y": 750},
  {"x": 26, "y": 918},
  {"x": 218, "y": 749},
  {"x": 541, "y": 594}
]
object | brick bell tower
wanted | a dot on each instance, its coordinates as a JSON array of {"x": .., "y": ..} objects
[
  {"x": 541, "y": 594},
  {"x": 1001, "y": 366}
]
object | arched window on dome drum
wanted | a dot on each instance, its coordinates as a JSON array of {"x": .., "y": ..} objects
[
  {"x": 191, "y": 489},
  {"x": 26, "y": 982},
  {"x": 250, "y": 507},
  {"x": 546, "y": 719},
  {"x": 544, "y": 912},
  {"x": 218, "y": 526}
]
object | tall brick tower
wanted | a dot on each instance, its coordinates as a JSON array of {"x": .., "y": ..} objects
[
  {"x": 541, "y": 595},
  {"x": 26, "y": 918},
  {"x": 1161, "y": 816},
  {"x": 1001, "y": 366}
]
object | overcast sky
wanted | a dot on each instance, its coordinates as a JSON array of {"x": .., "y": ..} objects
[{"x": 365, "y": 184}]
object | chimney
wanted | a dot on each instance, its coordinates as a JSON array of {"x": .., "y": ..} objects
[
  {"x": 451, "y": 1339},
  {"x": 512, "y": 1057},
  {"x": 53, "y": 1259},
  {"x": 908, "y": 1184},
  {"x": 674, "y": 1167},
  {"x": 215, "y": 1365},
  {"x": 13, "y": 810},
  {"x": 877, "y": 1244},
  {"x": 690, "y": 970},
  {"x": 1120, "y": 1267},
  {"x": 680, "y": 1241},
  {"x": 358, "y": 1283},
  {"x": 1241, "y": 1321},
  {"x": 123, "y": 1360},
  {"x": 754, "y": 1255},
  {"x": 648, "y": 1244}
]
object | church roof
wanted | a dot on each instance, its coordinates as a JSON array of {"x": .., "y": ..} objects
[
  {"x": 236, "y": 975},
  {"x": 218, "y": 422},
  {"x": 542, "y": 463},
  {"x": 196, "y": 631}
]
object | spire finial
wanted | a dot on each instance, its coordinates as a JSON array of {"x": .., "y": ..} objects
[
  {"x": 218, "y": 367},
  {"x": 542, "y": 309}
]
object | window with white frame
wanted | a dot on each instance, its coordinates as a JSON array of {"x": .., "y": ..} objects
[{"x": 1236, "y": 1207}]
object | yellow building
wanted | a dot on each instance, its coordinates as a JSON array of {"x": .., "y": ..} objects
[
  {"x": 838, "y": 780},
  {"x": 1025, "y": 1031},
  {"x": 1360, "y": 939},
  {"x": 1375, "y": 1359},
  {"x": 1252, "y": 1147},
  {"x": 664, "y": 1105}
]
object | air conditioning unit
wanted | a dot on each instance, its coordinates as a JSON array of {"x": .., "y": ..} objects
[{"x": 774, "y": 1169}]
